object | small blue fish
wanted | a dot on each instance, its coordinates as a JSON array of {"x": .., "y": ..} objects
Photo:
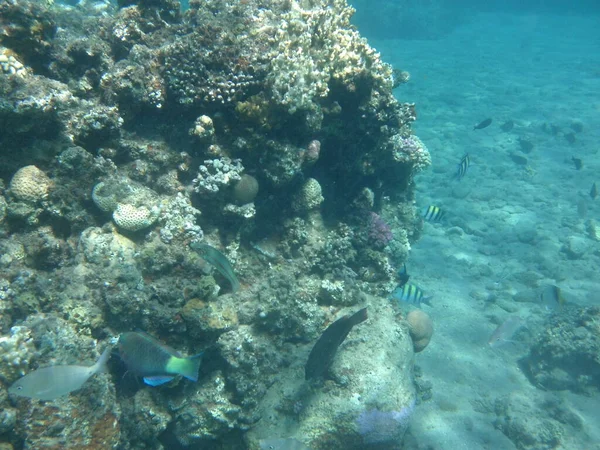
[
  {"x": 464, "y": 164},
  {"x": 433, "y": 213},
  {"x": 411, "y": 294}
]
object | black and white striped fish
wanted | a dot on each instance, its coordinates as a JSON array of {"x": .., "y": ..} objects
[
  {"x": 463, "y": 166},
  {"x": 433, "y": 213},
  {"x": 411, "y": 294}
]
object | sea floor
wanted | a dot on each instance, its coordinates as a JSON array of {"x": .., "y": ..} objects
[{"x": 511, "y": 225}]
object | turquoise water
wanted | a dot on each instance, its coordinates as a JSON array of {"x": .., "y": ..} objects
[{"x": 509, "y": 227}]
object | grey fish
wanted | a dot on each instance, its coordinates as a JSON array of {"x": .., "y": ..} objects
[
  {"x": 484, "y": 124},
  {"x": 219, "y": 261},
  {"x": 282, "y": 444},
  {"x": 322, "y": 354},
  {"x": 52, "y": 382},
  {"x": 506, "y": 331}
]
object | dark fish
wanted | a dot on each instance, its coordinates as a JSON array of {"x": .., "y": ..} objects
[
  {"x": 219, "y": 261},
  {"x": 433, "y": 213},
  {"x": 322, "y": 354},
  {"x": 463, "y": 165},
  {"x": 577, "y": 162},
  {"x": 481, "y": 125},
  {"x": 594, "y": 192},
  {"x": 403, "y": 275},
  {"x": 571, "y": 138},
  {"x": 154, "y": 361},
  {"x": 507, "y": 126},
  {"x": 411, "y": 294},
  {"x": 526, "y": 145},
  {"x": 519, "y": 159},
  {"x": 55, "y": 381}
]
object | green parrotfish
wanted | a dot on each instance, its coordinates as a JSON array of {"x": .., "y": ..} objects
[
  {"x": 155, "y": 362},
  {"x": 52, "y": 382}
]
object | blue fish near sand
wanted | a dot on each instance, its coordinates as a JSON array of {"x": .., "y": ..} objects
[
  {"x": 411, "y": 294},
  {"x": 52, "y": 382}
]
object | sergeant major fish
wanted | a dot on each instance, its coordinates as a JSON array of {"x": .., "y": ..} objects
[
  {"x": 433, "y": 213},
  {"x": 411, "y": 294},
  {"x": 463, "y": 166},
  {"x": 154, "y": 361},
  {"x": 52, "y": 382}
]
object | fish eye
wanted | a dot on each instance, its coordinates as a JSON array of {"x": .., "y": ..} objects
[{"x": 19, "y": 388}]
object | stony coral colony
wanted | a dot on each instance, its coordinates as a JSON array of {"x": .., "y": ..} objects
[{"x": 263, "y": 128}]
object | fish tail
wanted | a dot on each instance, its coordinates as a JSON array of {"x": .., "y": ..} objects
[
  {"x": 100, "y": 365},
  {"x": 192, "y": 366},
  {"x": 359, "y": 316}
]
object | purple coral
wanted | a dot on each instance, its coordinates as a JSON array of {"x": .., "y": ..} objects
[
  {"x": 378, "y": 231},
  {"x": 379, "y": 427}
]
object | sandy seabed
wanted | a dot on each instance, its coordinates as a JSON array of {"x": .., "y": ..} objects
[{"x": 510, "y": 226}]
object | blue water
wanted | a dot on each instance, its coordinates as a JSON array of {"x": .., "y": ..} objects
[{"x": 510, "y": 227}]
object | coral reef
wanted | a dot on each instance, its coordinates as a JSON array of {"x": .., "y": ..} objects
[
  {"x": 566, "y": 354},
  {"x": 156, "y": 130}
]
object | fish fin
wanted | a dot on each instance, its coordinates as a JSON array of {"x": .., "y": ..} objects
[
  {"x": 193, "y": 367},
  {"x": 158, "y": 380},
  {"x": 427, "y": 300}
]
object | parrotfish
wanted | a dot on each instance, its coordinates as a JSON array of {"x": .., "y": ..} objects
[
  {"x": 219, "y": 261},
  {"x": 52, "y": 382},
  {"x": 506, "y": 331},
  {"x": 322, "y": 354},
  {"x": 154, "y": 361}
]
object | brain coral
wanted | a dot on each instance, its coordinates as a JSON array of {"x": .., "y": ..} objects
[
  {"x": 133, "y": 218},
  {"x": 421, "y": 329},
  {"x": 133, "y": 205},
  {"x": 30, "y": 184}
]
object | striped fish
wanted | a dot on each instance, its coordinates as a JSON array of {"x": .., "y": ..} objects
[
  {"x": 464, "y": 164},
  {"x": 411, "y": 294},
  {"x": 433, "y": 213}
]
